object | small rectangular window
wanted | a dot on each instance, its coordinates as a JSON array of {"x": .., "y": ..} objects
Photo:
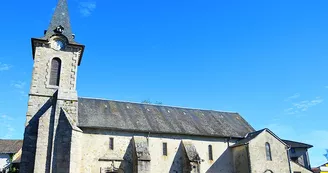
[
  {"x": 210, "y": 152},
  {"x": 111, "y": 143},
  {"x": 292, "y": 150},
  {"x": 164, "y": 148}
]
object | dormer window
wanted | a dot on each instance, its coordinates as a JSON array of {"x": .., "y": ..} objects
[
  {"x": 59, "y": 29},
  {"x": 292, "y": 150},
  {"x": 55, "y": 72}
]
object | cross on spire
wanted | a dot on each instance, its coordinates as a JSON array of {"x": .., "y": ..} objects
[{"x": 60, "y": 22}]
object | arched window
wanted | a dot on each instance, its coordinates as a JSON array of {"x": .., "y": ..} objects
[
  {"x": 268, "y": 151},
  {"x": 55, "y": 72},
  {"x": 210, "y": 152},
  {"x": 268, "y": 171}
]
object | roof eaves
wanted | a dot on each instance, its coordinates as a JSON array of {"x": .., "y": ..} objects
[
  {"x": 304, "y": 145},
  {"x": 156, "y": 132},
  {"x": 45, "y": 40},
  {"x": 238, "y": 145}
]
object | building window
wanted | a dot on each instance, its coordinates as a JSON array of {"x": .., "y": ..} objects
[
  {"x": 210, "y": 152},
  {"x": 164, "y": 148},
  {"x": 55, "y": 72},
  {"x": 111, "y": 143},
  {"x": 292, "y": 150},
  {"x": 295, "y": 159},
  {"x": 268, "y": 151}
]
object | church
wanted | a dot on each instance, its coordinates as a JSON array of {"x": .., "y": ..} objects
[{"x": 67, "y": 133}]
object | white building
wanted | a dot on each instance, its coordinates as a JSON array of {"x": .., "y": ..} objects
[{"x": 8, "y": 148}]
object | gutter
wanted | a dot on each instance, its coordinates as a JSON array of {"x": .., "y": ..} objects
[{"x": 290, "y": 168}]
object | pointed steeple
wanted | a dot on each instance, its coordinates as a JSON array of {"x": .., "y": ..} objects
[{"x": 60, "y": 22}]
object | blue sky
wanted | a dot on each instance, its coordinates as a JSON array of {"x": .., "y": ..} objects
[{"x": 266, "y": 60}]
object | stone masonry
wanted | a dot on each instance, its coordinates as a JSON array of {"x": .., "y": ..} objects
[
  {"x": 65, "y": 133},
  {"x": 48, "y": 128}
]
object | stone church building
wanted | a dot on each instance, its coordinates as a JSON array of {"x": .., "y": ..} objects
[{"x": 65, "y": 133}]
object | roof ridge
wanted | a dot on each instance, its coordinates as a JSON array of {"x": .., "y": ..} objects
[{"x": 151, "y": 104}]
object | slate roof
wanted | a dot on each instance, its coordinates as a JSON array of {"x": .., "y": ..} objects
[
  {"x": 137, "y": 117},
  {"x": 10, "y": 146},
  {"x": 249, "y": 137},
  {"x": 60, "y": 18},
  {"x": 295, "y": 144}
]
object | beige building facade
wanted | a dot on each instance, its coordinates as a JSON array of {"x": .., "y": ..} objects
[
  {"x": 97, "y": 154},
  {"x": 66, "y": 133}
]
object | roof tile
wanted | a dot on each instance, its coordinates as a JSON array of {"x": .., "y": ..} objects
[{"x": 10, "y": 146}]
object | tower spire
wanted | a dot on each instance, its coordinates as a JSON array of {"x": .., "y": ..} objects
[{"x": 60, "y": 22}]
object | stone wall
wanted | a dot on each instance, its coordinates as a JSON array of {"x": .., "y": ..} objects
[
  {"x": 141, "y": 155},
  {"x": 42, "y": 138},
  {"x": 298, "y": 168},
  {"x": 41, "y": 71},
  {"x": 76, "y": 151},
  {"x": 37, "y": 125},
  {"x": 62, "y": 145},
  {"x": 257, "y": 154},
  {"x": 96, "y": 152},
  {"x": 240, "y": 159}
]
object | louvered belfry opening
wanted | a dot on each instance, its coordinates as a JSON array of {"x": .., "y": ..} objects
[{"x": 55, "y": 72}]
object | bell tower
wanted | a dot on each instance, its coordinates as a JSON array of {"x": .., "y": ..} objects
[
  {"x": 53, "y": 101},
  {"x": 56, "y": 57}
]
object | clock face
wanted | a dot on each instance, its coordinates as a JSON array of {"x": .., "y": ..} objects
[{"x": 57, "y": 45}]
